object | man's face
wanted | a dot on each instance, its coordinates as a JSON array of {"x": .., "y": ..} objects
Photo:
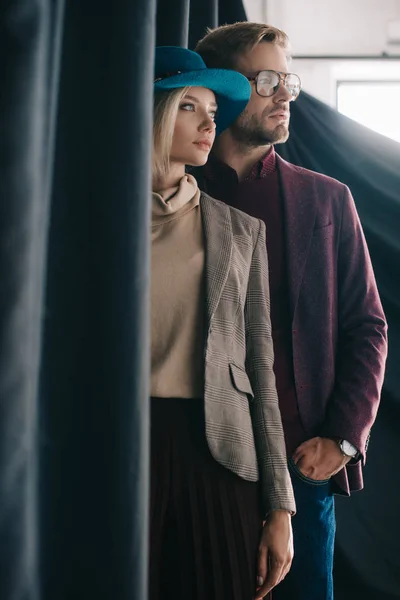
[{"x": 264, "y": 120}]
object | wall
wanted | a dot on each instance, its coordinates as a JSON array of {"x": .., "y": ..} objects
[
  {"x": 320, "y": 77},
  {"x": 318, "y": 27},
  {"x": 333, "y": 27}
]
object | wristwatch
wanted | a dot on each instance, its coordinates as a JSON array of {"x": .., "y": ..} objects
[{"x": 347, "y": 449}]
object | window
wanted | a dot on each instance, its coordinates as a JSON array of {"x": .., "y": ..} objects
[{"x": 375, "y": 104}]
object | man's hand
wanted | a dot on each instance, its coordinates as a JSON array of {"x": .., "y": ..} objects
[
  {"x": 275, "y": 552},
  {"x": 319, "y": 458}
]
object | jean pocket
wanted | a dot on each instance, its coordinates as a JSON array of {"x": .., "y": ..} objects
[{"x": 296, "y": 471}]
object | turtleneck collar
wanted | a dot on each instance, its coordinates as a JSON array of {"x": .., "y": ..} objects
[{"x": 174, "y": 202}]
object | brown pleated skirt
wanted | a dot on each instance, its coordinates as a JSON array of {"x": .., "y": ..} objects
[{"x": 205, "y": 521}]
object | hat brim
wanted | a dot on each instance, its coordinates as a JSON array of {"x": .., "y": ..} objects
[{"x": 232, "y": 90}]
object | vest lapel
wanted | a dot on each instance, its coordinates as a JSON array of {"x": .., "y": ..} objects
[
  {"x": 299, "y": 215},
  {"x": 218, "y": 247}
]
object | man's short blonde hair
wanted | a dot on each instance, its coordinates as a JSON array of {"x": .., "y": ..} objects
[
  {"x": 221, "y": 47},
  {"x": 166, "y": 106}
]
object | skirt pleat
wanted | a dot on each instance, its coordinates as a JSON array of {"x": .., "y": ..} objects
[{"x": 205, "y": 521}]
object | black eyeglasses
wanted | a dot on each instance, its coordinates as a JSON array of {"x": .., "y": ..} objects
[{"x": 268, "y": 83}]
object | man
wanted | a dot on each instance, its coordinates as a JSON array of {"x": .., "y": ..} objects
[{"x": 329, "y": 329}]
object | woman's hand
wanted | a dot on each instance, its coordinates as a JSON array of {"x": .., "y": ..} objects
[{"x": 275, "y": 552}]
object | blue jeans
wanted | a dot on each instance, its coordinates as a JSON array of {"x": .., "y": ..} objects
[{"x": 314, "y": 526}]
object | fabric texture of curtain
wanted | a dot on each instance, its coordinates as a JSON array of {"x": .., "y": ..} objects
[
  {"x": 74, "y": 256},
  {"x": 30, "y": 37}
]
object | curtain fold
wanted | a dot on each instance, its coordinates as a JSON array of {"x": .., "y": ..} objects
[
  {"x": 173, "y": 23},
  {"x": 95, "y": 372},
  {"x": 29, "y": 65},
  {"x": 211, "y": 13}
]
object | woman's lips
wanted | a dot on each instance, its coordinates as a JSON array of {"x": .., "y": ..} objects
[{"x": 203, "y": 145}]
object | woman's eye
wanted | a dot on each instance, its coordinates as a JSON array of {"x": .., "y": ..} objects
[
  {"x": 213, "y": 114},
  {"x": 187, "y": 106}
]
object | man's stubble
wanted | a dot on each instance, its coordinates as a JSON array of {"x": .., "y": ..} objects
[{"x": 250, "y": 132}]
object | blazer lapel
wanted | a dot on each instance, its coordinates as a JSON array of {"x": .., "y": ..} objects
[
  {"x": 218, "y": 246},
  {"x": 299, "y": 215}
]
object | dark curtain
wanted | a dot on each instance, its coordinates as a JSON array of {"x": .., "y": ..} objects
[
  {"x": 75, "y": 130},
  {"x": 28, "y": 78},
  {"x": 76, "y": 118},
  {"x": 367, "y": 545},
  {"x": 184, "y": 22}
]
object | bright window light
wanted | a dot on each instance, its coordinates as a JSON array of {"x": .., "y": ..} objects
[{"x": 374, "y": 104}]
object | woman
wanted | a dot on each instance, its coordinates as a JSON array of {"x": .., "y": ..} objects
[{"x": 221, "y": 496}]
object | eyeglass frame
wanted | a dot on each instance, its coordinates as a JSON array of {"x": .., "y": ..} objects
[{"x": 282, "y": 79}]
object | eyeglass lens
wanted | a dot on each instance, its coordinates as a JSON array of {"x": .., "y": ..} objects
[{"x": 268, "y": 83}]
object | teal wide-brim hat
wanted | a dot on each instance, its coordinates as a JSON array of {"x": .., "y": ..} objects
[{"x": 178, "y": 67}]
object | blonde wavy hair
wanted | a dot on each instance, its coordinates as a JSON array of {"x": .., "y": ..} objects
[{"x": 166, "y": 105}]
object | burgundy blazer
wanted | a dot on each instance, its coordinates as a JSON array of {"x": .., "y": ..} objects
[{"x": 339, "y": 330}]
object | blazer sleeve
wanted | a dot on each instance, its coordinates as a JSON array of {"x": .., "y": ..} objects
[
  {"x": 362, "y": 338},
  {"x": 277, "y": 491}
]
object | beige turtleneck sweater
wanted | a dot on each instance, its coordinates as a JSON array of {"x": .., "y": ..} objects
[{"x": 177, "y": 292}]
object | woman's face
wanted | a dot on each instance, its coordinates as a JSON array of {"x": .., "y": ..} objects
[{"x": 194, "y": 128}]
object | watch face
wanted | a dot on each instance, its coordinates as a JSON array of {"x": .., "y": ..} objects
[{"x": 348, "y": 448}]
